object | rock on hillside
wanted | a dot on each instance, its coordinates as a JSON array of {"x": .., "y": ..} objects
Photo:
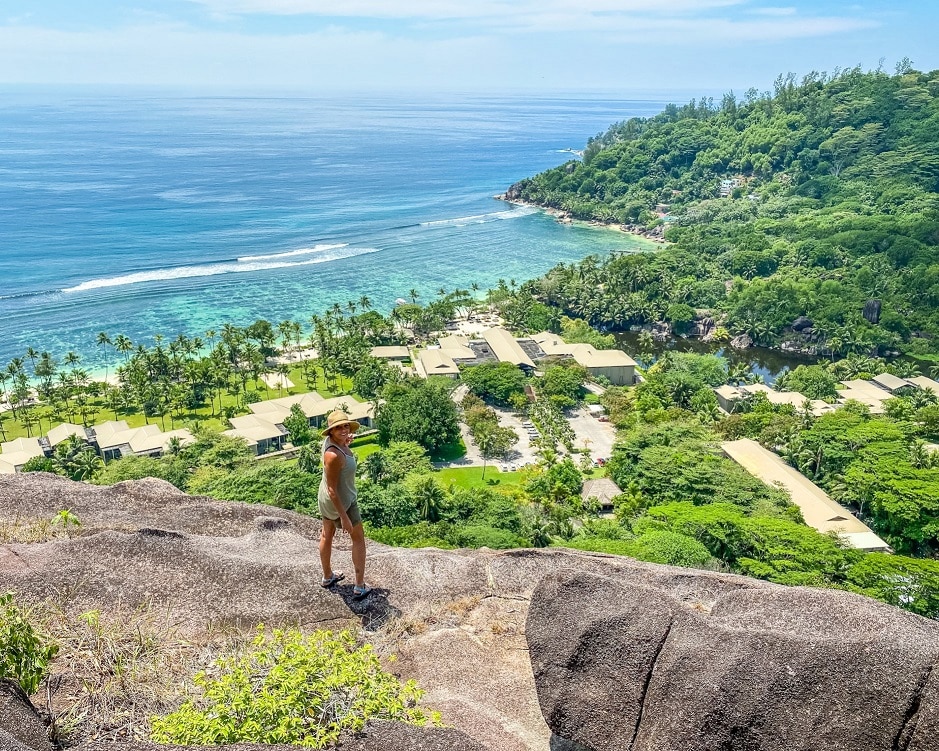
[
  {"x": 457, "y": 620},
  {"x": 625, "y": 665}
]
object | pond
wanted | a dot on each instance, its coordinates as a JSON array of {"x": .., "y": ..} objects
[{"x": 762, "y": 361}]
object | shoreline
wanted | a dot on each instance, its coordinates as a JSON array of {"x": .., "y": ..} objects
[{"x": 563, "y": 217}]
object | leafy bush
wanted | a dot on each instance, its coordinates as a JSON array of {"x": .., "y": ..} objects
[
  {"x": 24, "y": 654},
  {"x": 292, "y": 688},
  {"x": 273, "y": 483},
  {"x": 671, "y": 548},
  {"x": 171, "y": 469}
]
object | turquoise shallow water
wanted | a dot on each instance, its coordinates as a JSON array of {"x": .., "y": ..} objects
[{"x": 158, "y": 214}]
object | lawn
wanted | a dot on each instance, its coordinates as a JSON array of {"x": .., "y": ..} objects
[
  {"x": 206, "y": 415},
  {"x": 472, "y": 477}
]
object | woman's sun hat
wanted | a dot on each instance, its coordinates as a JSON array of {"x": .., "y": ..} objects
[{"x": 337, "y": 418}]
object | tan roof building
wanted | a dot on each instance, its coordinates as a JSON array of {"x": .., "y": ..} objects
[
  {"x": 728, "y": 396},
  {"x": 925, "y": 383},
  {"x": 14, "y": 454},
  {"x": 60, "y": 432},
  {"x": 432, "y": 362},
  {"x": 890, "y": 382},
  {"x": 277, "y": 410},
  {"x": 506, "y": 348},
  {"x": 456, "y": 347},
  {"x": 603, "y": 489},
  {"x": 865, "y": 392},
  {"x": 818, "y": 509},
  {"x": 116, "y": 439},
  {"x": 553, "y": 344},
  {"x": 260, "y": 435},
  {"x": 391, "y": 352},
  {"x": 613, "y": 364},
  {"x": 314, "y": 406}
]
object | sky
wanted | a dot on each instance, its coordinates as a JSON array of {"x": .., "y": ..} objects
[{"x": 620, "y": 47}]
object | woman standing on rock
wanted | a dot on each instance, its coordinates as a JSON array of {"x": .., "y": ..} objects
[{"x": 337, "y": 501}]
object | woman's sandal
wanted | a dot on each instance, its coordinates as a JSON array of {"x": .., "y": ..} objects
[
  {"x": 337, "y": 577},
  {"x": 360, "y": 593}
]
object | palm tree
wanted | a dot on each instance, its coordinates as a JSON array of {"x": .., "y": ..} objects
[
  {"x": 413, "y": 295},
  {"x": 365, "y": 303},
  {"x": 429, "y": 497},
  {"x": 282, "y": 371},
  {"x": 32, "y": 355},
  {"x": 123, "y": 345}
]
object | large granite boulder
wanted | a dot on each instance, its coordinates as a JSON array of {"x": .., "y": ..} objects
[{"x": 621, "y": 665}]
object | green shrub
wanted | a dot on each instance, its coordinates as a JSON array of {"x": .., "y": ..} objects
[
  {"x": 292, "y": 688},
  {"x": 24, "y": 654},
  {"x": 672, "y": 548}
]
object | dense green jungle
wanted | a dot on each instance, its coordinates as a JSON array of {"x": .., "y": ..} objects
[{"x": 817, "y": 200}]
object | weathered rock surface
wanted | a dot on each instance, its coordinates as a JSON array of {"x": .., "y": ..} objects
[
  {"x": 741, "y": 341},
  {"x": 872, "y": 311},
  {"x": 381, "y": 736},
  {"x": 455, "y": 619},
  {"x": 20, "y": 725},
  {"x": 802, "y": 323},
  {"x": 457, "y": 622},
  {"x": 627, "y": 665}
]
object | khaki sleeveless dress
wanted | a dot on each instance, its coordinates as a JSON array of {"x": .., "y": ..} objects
[{"x": 345, "y": 487}]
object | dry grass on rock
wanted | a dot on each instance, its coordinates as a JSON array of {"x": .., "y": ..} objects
[{"x": 115, "y": 670}]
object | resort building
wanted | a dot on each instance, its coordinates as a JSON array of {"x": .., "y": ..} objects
[
  {"x": 613, "y": 364},
  {"x": 728, "y": 396},
  {"x": 865, "y": 392},
  {"x": 507, "y": 349},
  {"x": 816, "y": 407},
  {"x": 602, "y": 489},
  {"x": 315, "y": 407},
  {"x": 890, "y": 382},
  {"x": 115, "y": 439},
  {"x": 14, "y": 454},
  {"x": 62, "y": 432},
  {"x": 261, "y": 436},
  {"x": 456, "y": 347},
  {"x": 925, "y": 383},
  {"x": 275, "y": 411},
  {"x": 818, "y": 509},
  {"x": 392, "y": 353},
  {"x": 436, "y": 362}
]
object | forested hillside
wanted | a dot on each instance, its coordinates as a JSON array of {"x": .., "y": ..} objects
[{"x": 830, "y": 202}]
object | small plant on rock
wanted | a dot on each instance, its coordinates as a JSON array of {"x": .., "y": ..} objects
[
  {"x": 290, "y": 687},
  {"x": 24, "y": 653}
]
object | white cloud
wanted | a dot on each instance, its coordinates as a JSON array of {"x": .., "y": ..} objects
[
  {"x": 457, "y": 9},
  {"x": 790, "y": 11}
]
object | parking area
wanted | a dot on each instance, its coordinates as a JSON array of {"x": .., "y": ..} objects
[{"x": 590, "y": 433}]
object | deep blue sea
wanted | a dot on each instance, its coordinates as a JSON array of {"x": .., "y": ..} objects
[{"x": 144, "y": 214}]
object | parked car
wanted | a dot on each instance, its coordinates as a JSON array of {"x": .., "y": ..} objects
[
  {"x": 601, "y": 461},
  {"x": 603, "y": 418}
]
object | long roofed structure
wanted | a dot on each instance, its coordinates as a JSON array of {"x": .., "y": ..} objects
[{"x": 818, "y": 509}]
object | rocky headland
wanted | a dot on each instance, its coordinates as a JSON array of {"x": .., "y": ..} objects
[{"x": 523, "y": 649}]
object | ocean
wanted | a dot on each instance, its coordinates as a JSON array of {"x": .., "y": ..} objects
[{"x": 157, "y": 213}]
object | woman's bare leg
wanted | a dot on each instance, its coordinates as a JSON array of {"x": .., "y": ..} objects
[
  {"x": 358, "y": 553},
  {"x": 326, "y": 547}
]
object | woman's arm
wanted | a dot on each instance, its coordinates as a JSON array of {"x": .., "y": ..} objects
[{"x": 333, "y": 462}]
